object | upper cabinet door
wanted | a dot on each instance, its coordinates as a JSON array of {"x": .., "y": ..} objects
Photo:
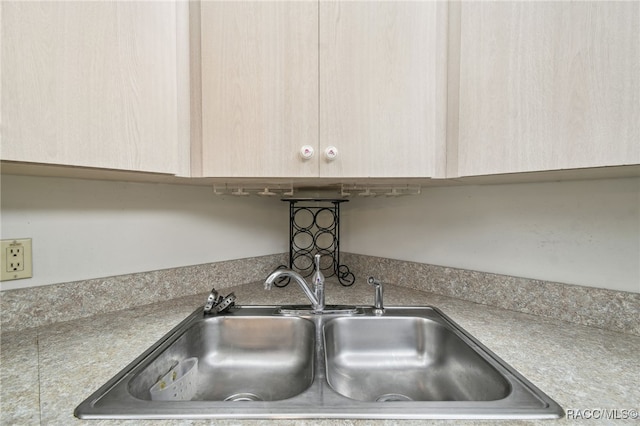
[
  {"x": 259, "y": 88},
  {"x": 548, "y": 85},
  {"x": 92, "y": 84},
  {"x": 382, "y": 88}
]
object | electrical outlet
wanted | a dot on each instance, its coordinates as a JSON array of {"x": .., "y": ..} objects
[{"x": 16, "y": 259}]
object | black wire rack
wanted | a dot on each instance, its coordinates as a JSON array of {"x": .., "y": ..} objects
[{"x": 314, "y": 228}]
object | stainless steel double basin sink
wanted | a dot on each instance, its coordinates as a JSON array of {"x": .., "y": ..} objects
[{"x": 256, "y": 362}]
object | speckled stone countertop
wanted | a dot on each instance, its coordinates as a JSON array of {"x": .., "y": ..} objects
[{"x": 47, "y": 371}]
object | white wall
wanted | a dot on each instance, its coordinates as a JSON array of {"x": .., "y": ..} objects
[
  {"x": 581, "y": 232},
  {"x": 89, "y": 229},
  {"x": 578, "y": 232}
]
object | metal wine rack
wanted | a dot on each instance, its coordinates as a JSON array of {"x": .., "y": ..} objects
[{"x": 314, "y": 228}]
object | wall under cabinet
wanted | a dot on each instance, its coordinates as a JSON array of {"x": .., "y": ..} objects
[
  {"x": 575, "y": 232},
  {"x": 84, "y": 229}
]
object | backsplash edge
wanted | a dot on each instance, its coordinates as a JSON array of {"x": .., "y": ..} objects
[
  {"x": 595, "y": 307},
  {"x": 39, "y": 306}
]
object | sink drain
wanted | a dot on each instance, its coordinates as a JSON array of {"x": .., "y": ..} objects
[
  {"x": 390, "y": 397},
  {"x": 243, "y": 397}
]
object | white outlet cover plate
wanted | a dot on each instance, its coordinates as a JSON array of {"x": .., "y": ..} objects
[{"x": 27, "y": 269}]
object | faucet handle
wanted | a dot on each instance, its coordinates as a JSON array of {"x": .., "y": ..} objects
[
  {"x": 374, "y": 282},
  {"x": 318, "y": 277}
]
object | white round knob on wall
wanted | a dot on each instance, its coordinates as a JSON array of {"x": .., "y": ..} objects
[
  {"x": 331, "y": 153},
  {"x": 306, "y": 152}
]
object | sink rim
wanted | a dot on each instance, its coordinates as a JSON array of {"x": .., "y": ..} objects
[{"x": 526, "y": 401}]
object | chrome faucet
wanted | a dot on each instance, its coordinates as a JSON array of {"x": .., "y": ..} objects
[{"x": 316, "y": 296}]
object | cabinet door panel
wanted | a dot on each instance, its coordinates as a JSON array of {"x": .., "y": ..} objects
[
  {"x": 259, "y": 88},
  {"x": 548, "y": 85},
  {"x": 382, "y": 80},
  {"x": 91, "y": 84}
]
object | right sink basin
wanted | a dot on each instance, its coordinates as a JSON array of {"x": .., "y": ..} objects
[{"x": 386, "y": 359}]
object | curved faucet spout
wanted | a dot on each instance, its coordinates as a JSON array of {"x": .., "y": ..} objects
[{"x": 317, "y": 304}]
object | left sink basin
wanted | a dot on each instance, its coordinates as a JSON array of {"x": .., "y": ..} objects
[
  {"x": 248, "y": 357},
  {"x": 239, "y": 359}
]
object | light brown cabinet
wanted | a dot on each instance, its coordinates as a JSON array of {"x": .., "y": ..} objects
[
  {"x": 235, "y": 89},
  {"x": 363, "y": 77},
  {"x": 548, "y": 86},
  {"x": 259, "y": 65},
  {"x": 382, "y": 88},
  {"x": 92, "y": 84}
]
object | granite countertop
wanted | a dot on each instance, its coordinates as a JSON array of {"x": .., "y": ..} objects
[{"x": 46, "y": 372}]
